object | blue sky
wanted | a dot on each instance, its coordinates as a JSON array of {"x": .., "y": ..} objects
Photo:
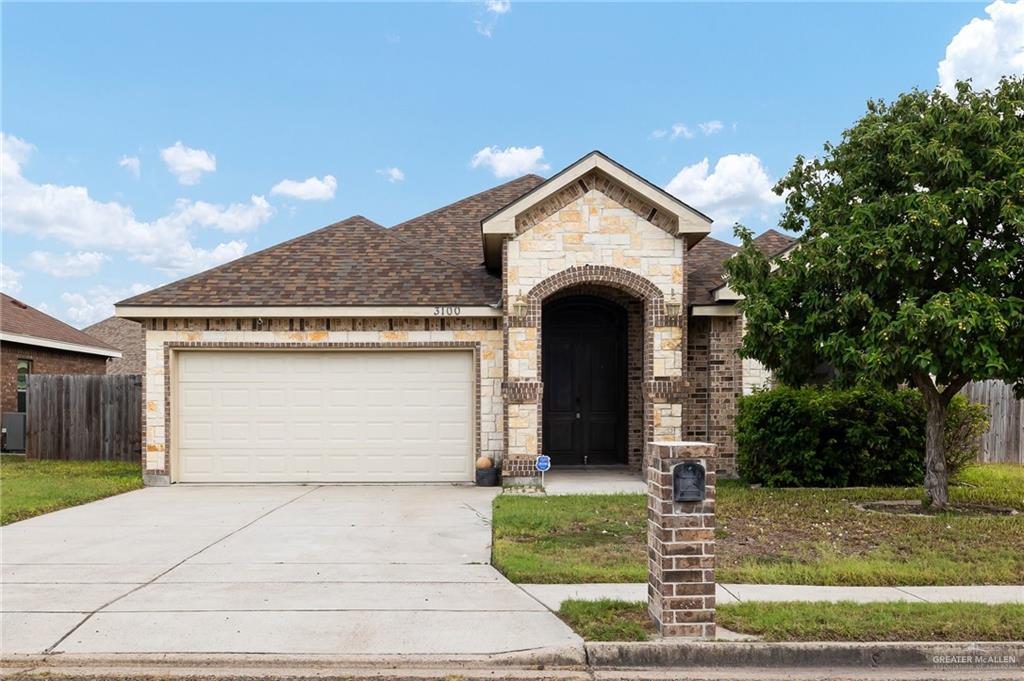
[{"x": 145, "y": 142}]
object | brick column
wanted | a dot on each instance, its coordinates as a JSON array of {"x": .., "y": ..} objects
[{"x": 680, "y": 543}]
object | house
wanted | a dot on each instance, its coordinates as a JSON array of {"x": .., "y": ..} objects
[
  {"x": 33, "y": 342},
  {"x": 127, "y": 336},
  {"x": 573, "y": 316}
]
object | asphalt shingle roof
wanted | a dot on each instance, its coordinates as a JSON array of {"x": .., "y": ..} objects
[
  {"x": 433, "y": 259},
  {"x": 352, "y": 262},
  {"x": 454, "y": 230},
  {"x": 771, "y": 242},
  {"x": 20, "y": 318}
]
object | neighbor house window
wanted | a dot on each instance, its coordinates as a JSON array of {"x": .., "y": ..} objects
[{"x": 24, "y": 369}]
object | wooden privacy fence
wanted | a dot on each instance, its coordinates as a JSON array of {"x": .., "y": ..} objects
[
  {"x": 1004, "y": 441},
  {"x": 83, "y": 417}
]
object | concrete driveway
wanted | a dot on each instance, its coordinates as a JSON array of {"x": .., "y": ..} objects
[{"x": 315, "y": 570}]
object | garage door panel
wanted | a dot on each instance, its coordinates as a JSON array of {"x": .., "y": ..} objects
[{"x": 325, "y": 416}]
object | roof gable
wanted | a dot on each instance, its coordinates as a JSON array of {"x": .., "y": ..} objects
[{"x": 595, "y": 170}]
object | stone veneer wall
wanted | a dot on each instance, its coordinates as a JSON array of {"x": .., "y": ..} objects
[
  {"x": 715, "y": 374},
  {"x": 482, "y": 334},
  {"x": 584, "y": 237}
]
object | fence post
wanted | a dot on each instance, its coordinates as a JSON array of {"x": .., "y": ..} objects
[{"x": 680, "y": 543}]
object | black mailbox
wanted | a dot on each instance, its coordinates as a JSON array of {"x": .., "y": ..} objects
[{"x": 688, "y": 481}]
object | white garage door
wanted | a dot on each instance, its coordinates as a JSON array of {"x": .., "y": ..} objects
[{"x": 324, "y": 416}]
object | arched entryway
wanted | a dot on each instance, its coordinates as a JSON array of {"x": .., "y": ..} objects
[{"x": 585, "y": 366}]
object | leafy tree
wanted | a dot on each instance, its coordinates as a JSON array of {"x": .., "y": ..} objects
[{"x": 909, "y": 267}]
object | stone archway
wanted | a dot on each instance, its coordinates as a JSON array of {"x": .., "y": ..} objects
[{"x": 663, "y": 341}]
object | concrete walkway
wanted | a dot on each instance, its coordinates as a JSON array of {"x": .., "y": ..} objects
[
  {"x": 552, "y": 595},
  {"x": 315, "y": 570}
]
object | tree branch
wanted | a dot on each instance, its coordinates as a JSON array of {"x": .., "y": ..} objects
[{"x": 953, "y": 388}]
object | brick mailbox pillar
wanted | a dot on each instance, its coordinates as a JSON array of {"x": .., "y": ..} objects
[{"x": 681, "y": 540}]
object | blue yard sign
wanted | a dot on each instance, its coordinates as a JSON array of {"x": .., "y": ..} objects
[{"x": 543, "y": 463}]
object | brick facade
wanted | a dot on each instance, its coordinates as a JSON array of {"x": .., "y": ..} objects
[
  {"x": 715, "y": 377},
  {"x": 681, "y": 543},
  {"x": 596, "y": 238},
  {"x": 44, "y": 361}
]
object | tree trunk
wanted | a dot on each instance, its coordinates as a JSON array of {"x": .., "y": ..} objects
[{"x": 936, "y": 480}]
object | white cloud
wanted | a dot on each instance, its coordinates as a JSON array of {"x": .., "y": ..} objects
[
  {"x": 494, "y": 9},
  {"x": 79, "y": 264},
  {"x": 310, "y": 189},
  {"x": 10, "y": 280},
  {"x": 738, "y": 188},
  {"x": 188, "y": 164},
  {"x": 511, "y": 161},
  {"x": 238, "y": 217},
  {"x": 392, "y": 174},
  {"x": 986, "y": 49},
  {"x": 70, "y": 215},
  {"x": 133, "y": 164},
  {"x": 711, "y": 127},
  {"x": 97, "y": 303},
  {"x": 680, "y": 130}
]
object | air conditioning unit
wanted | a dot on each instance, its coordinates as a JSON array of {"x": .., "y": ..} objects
[{"x": 14, "y": 431}]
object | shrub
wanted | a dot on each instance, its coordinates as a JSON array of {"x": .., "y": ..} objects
[
  {"x": 826, "y": 437},
  {"x": 966, "y": 422}
]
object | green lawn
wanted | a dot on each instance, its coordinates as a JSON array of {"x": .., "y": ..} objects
[
  {"x": 815, "y": 621},
  {"x": 29, "y": 488},
  {"x": 783, "y": 536}
]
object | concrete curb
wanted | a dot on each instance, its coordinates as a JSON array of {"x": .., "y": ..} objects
[
  {"x": 651, "y": 655},
  {"x": 567, "y": 656},
  {"x": 664, "y": 653}
]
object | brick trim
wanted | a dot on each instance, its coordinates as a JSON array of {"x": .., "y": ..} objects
[
  {"x": 178, "y": 346},
  {"x": 521, "y": 392}
]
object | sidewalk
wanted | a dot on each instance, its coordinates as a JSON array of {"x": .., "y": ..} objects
[{"x": 552, "y": 595}]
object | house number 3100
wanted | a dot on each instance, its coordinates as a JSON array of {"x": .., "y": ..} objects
[{"x": 447, "y": 310}]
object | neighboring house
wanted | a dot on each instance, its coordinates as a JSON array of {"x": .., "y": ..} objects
[
  {"x": 127, "y": 336},
  {"x": 32, "y": 342},
  {"x": 573, "y": 316}
]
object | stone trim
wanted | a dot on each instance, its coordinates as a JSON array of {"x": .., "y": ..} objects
[{"x": 177, "y": 346}]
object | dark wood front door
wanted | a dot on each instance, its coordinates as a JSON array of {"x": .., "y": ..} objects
[{"x": 584, "y": 366}]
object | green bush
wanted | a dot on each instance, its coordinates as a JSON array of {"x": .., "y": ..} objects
[
  {"x": 966, "y": 422},
  {"x": 825, "y": 437}
]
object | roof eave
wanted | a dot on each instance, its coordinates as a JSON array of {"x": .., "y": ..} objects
[{"x": 24, "y": 339}]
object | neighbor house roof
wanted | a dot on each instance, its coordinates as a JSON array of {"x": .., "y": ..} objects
[
  {"x": 771, "y": 242},
  {"x": 22, "y": 323},
  {"x": 127, "y": 336},
  {"x": 352, "y": 262}
]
